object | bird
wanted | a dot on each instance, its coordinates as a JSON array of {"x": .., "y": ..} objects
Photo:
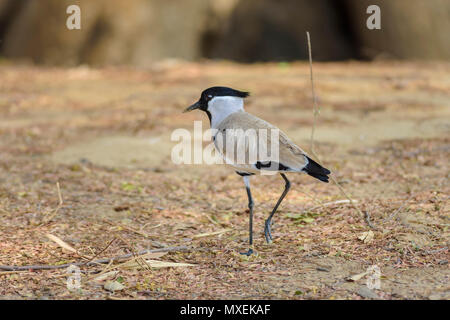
[{"x": 224, "y": 107}]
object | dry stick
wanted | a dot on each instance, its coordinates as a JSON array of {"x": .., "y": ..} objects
[
  {"x": 101, "y": 251},
  {"x": 59, "y": 193},
  {"x": 106, "y": 269},
  {"x": 146, "y": 235},
  {"x": 95, "y": 262},
  {"x": 365, "y": 215},
  {"x": 136, "y": 256},
  {"x": 323, "y": 205},
  {"x": 398, "y": 210},
  {"x": 316, "y": 110},
  {"x": 128, "y": 228},
  {"x": 60, "y": 204}
]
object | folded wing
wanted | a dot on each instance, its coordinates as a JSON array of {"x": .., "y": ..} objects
[{"x": 250, "y": 143}]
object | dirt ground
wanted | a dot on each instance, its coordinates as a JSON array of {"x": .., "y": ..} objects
[{"x": 104, "y": 135}]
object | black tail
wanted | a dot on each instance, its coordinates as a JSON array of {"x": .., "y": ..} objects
[{"x": 316, "y": 170}]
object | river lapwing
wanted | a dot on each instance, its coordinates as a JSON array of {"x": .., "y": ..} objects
[{"x": 225, "y": 109}]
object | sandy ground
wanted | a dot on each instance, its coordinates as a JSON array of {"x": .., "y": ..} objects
[{"x": 105, "y": 136}]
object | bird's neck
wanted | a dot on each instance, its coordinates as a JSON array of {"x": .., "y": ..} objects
[{"x": 221, "y": 107}]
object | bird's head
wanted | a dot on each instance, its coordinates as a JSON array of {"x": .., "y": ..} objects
[{"x": 219, "y": 101}]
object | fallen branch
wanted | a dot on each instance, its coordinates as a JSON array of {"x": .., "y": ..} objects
[{"x": 91, "y": 263}]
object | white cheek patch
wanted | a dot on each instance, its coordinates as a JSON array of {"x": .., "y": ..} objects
[{"x": 221, "y": 107}]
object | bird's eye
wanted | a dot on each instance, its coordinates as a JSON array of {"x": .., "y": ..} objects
[{"x": 209, "y": 96}]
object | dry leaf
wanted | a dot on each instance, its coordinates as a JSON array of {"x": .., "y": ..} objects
[
  {"x": 113, "y": 286},
  {"x": 139, "y": 260},
  {"x": 61, "y": 243},
  {"x": 164, "y": 264},
  {"x": 153, "y": 255},
  {"x": 356, "y": 277},
  {"x": 366, "y": 237},
  {"x": 105, "y": 276}
]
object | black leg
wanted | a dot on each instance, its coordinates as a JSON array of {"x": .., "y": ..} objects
[
  {"x": 267, "y": 231},
  {"x": 250, "y": 207}
]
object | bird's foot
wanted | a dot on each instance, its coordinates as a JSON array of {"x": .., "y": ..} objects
[
  {"x": 248, "y": 253},
  {"x": 267, "y": 231}
]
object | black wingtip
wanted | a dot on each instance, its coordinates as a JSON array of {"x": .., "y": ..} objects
[
  {"x": 321, "y": 178},
  {"x": 316, "y": 170}
]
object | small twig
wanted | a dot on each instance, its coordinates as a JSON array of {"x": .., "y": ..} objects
[
  {"x": 153, "y": 227},
  {"x": 135, "y": 254},
  {"x": 128, "y": 228},
  {"x": 365, "y": 215},
  {"x": 60, "y": 204},
  {"x": 101, "y": 251},
  {"x": 323, "y": 205},
  {"x": 398, "y": 210},
  {"x": 59, "y": 193},
  {"x": 367, "y": 220},
  {"x": 105, "y": 270},
  {"x": 65, "y": 245},
  {"x": 91, "y": 263},
  {"x": 140, "y": 232},
  {"x": 315, "y": 108}
]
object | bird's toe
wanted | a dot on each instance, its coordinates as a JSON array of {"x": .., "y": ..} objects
[
  {"x": 268, "y": 231},
  {"x": 248, "y": 253}
]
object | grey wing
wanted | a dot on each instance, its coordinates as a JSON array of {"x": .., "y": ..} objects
[
  {"x": 289, "y": 158},
  {"x": 261, "y": 146}
]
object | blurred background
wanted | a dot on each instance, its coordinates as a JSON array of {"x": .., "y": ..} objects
[
  {"x": 139, "y": 32},
  {"x": 86, "y": 123}
]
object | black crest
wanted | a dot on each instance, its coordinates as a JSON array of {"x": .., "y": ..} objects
[{"x": 223, "y": 91}]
